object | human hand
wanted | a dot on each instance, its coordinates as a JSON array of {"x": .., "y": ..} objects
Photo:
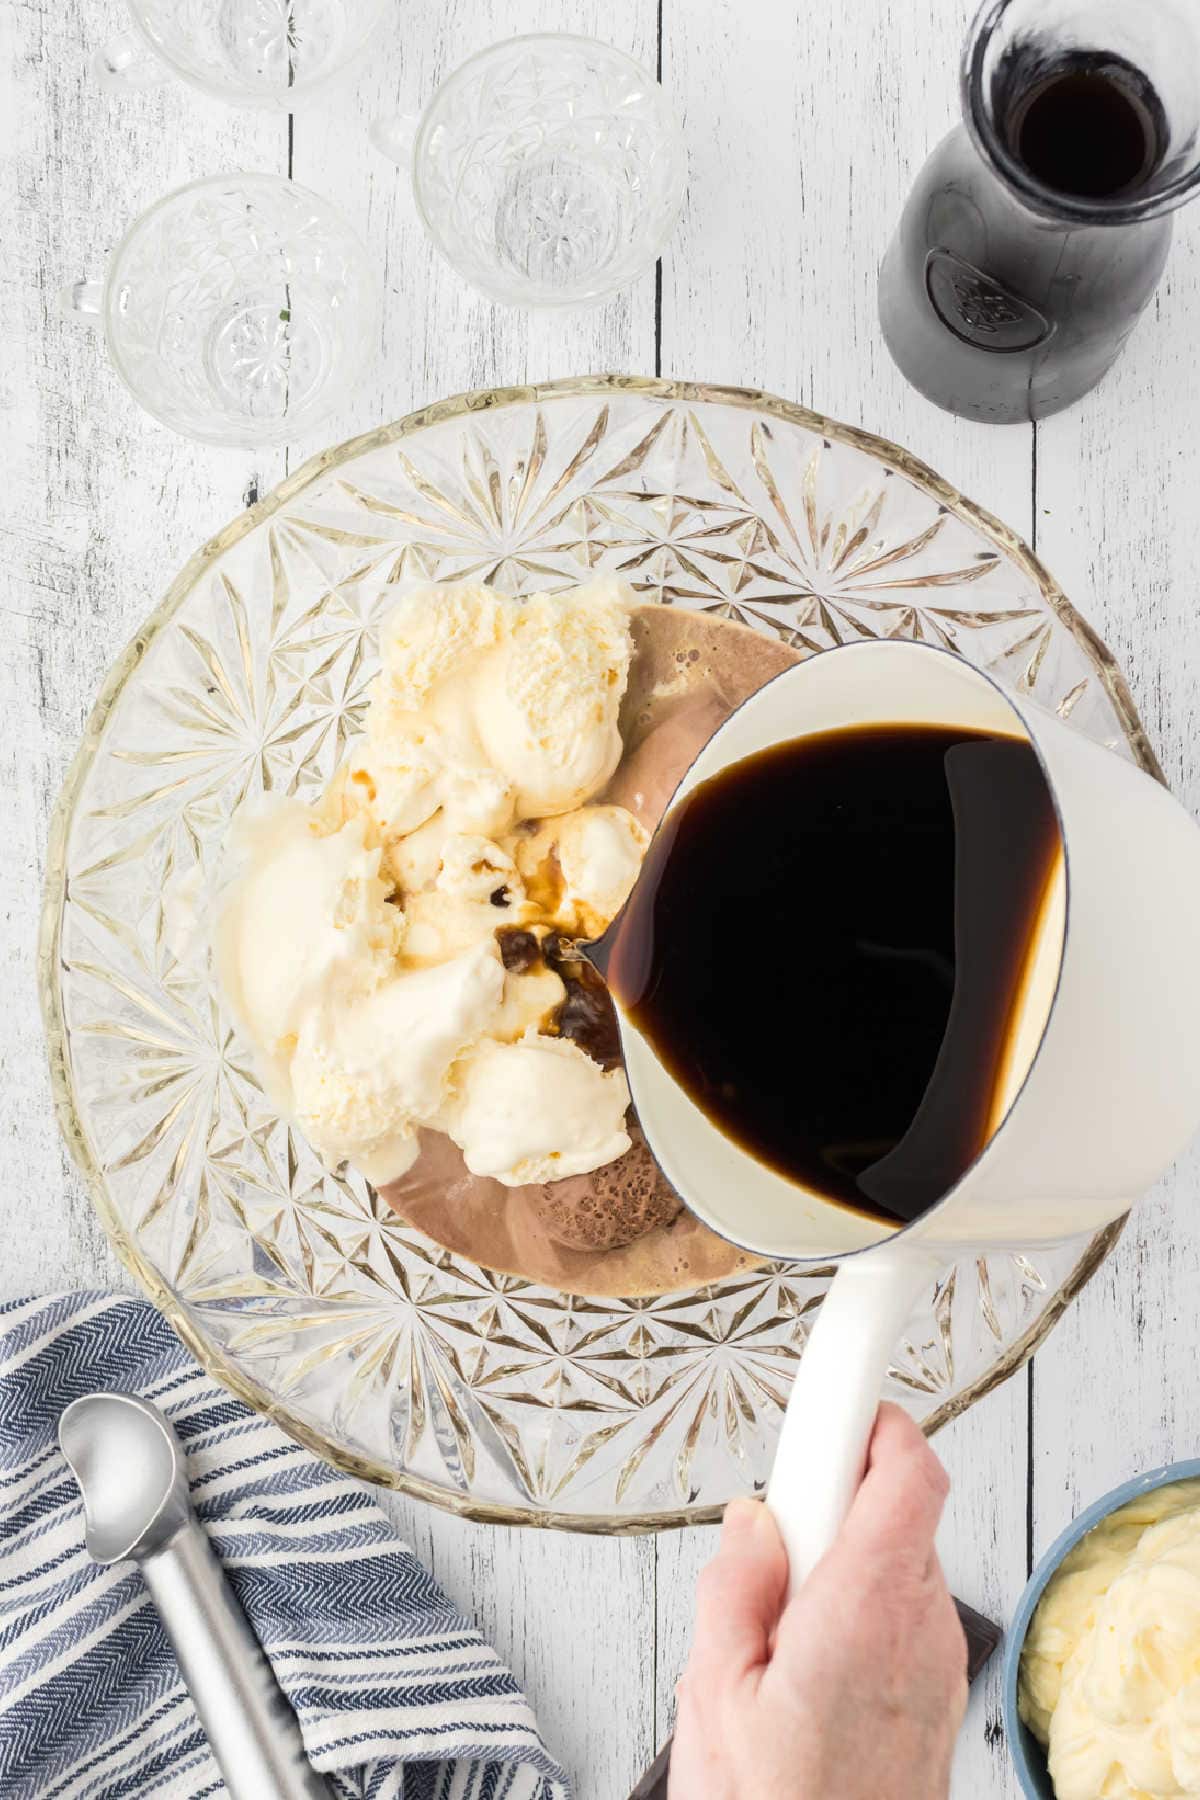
[{"x": 855, "y": 1689}]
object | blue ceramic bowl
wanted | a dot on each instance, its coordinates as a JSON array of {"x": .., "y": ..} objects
[{"x": 1027, "y": 1753}]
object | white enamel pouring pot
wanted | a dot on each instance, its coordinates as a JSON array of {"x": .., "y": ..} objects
[{"x": 1104, "y": 1095}]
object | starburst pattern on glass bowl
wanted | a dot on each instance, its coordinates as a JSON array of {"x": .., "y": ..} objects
[{"x": 483, "y": 1391}]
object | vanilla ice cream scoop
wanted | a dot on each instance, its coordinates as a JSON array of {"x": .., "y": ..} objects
[
  {"x": 305, "y": 921},
  {"x": 547, "y": 700},
  {"x": 476, "y": 869},
  {"x": 431, "y": 635},
  {"x": 490, "y": 709},
  {"x": 359, "y": 940},
  {"x": 581, "y": 867},
  {"x": 364, "y": 1076},
  {"x": 536, "y": 1111},
  {"x": 1110, "y": 1672}
]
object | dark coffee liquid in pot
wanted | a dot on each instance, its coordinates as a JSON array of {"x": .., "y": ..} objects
[
  {"x": 1007, "y": 303},
  {"x": 827, "y": 949}
]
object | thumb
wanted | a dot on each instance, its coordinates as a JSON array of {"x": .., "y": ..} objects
[{"x": 739, "y": 1597}]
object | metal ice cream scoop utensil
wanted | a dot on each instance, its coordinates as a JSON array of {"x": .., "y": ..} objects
[{"x": 130, "y": 1469}]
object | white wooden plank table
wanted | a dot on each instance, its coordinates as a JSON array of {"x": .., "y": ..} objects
[{"x": 805, "y": 127}]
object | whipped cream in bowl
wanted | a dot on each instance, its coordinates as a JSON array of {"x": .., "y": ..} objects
[{"x": 1102, "y": 1665}]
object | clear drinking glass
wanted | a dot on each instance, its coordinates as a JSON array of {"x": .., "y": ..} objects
[
  {"x": 1037, "y": 231},
  {"x": 237, "y": 310},
  {"x": 549, "y": 170},
  {"x": 274, "y": 54}
]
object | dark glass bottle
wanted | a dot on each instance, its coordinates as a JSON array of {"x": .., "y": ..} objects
[{"x": 1038, "y": 229}]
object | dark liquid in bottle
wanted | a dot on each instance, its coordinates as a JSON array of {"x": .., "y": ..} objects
[
  {"x": 1002, "y": 300},
  {"x": 1087, "y": 130},
  {"x": 828, "y": 948}
]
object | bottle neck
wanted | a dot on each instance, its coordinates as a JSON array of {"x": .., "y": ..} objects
[{"x": 1078, "y": 138}]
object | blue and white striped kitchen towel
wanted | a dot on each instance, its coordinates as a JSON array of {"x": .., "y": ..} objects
[{"x": 398, "y": 1697}]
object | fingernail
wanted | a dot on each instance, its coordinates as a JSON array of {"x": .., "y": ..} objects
[{"x": 741, "y": 1518}]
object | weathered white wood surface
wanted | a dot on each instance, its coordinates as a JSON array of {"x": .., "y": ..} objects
[{"x": 805, "y": 126}]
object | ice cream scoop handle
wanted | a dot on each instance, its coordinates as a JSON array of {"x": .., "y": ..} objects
[
  {"x": 822, "y": 1448},
  {"x": 252, "y": 1730}
]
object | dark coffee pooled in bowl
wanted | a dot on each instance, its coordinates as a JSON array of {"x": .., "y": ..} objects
[{"x": 586, "y": 1014}]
